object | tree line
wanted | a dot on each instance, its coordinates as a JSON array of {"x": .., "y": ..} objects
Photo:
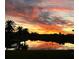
[{"x": 22, "y": 34}]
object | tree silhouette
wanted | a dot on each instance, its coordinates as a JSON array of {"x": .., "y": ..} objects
[
  {"x": 12, "y": 37},
  {"x": 9, "y": 35},
  {"x": 9, "y": 26},
  {"x": 34, "y": 36},
  {"x": 25, "y": 33},
  {"x": 21, "y": 35}
]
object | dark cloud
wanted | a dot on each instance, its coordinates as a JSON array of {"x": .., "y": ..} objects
[{"x": 45, "y": 19}]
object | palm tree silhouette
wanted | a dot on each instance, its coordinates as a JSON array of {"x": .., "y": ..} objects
[
  {"x": 9, "y": 26},
  {"x": 9, "y": 33}
]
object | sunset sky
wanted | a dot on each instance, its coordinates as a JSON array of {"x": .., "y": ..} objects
[{"x": 42, "y": 16}]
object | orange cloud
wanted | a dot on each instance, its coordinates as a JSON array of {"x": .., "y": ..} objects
[{"x": 28, "y": 18}]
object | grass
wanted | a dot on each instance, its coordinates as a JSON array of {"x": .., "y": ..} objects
[{"x": 40, "y": 54}]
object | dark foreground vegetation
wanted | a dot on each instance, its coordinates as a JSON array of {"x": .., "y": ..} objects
[{"x": 54, "y": 54}]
